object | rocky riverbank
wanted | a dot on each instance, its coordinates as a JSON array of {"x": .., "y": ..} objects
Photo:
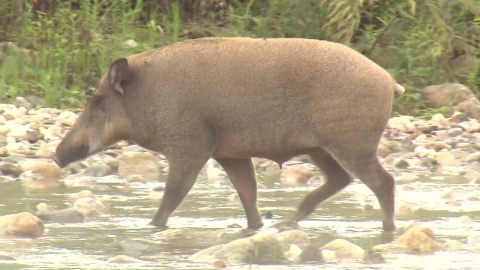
[{"x": 438, "y": 147}]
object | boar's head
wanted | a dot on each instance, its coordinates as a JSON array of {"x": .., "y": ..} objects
[{"x": 103, "y": 122}]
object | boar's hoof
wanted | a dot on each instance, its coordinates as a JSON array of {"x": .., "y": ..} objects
[
  {"x": 255, "y": 227},
  {"x": 387, "y": 237},
  {"x": 158, "y": 227},
  {"x": 247, "y": 232}
]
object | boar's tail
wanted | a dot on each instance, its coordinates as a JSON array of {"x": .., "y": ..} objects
[{"x": 399, "y": 90}]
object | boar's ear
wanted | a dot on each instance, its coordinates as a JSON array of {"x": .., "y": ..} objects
[{"x": 119, "y": 73}]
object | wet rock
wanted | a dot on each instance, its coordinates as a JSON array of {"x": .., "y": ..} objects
[
  {"x": 454, "y": 203},
  {"x": 18, "y": 131},
  {"x": 400, "y": 163},
  {"x": 446, "y": 139},
  {"x": 124, "y": 259},
  {"x": 79, "y": 180},
  {"x": 293, "y": 237},
  {"x": 423, "y": 138},
  {"x": 3, "y": 140},
  {"x": 458, "y": 117},
  {"x": 89, "y": 207},
  {"x": 69, "y": 215},
  {"x": 471, "y": 126},
  {"x": 43, "y": 168},
  {"x": 293, "y": 254},
  {"x": 33, "y": 136},
  {"x": 142, "y": 163},
  {"x": 22, "y": 224},
  {"x": 416, "y": 240},
  {"x": 131, "y": 247},
  {"x": 383, "y": 151},
  {"x": 454, "y": 132},
  {"x": 447, "y": 159},
  {"x": 233, "y": 197},
  {"x": 10, "y": 169},
  {"x": 473, "y": 241},
  {"x": 439, "y": 120},
  {"x": 459, "y": 154},
  {"x": 394, "y": 146},
  {"x": 81, "y": 194},
  {"x": 452, "y": 245},
  {"x": 413, "y": 186},
  {"x": 213, "y": 173},
  {"x": 426, "y": 128},
  {"x": 474, "y": 167},
  {"x": 261, "y": 248},
  {"x": 448, "y": 195},
  {"x": 311, "y": 253},
  {"x": 473, "y": 197},
  {"x": 66, "y": 118},
  {"x": 465, "y": 146},
  {"x": 159, "y": 188},
  {"x": 473, "y": 157},
  {"x": 234, "y": 226},
  {"x": 41, "y": 174},
  {"x": 98, "y": 170},
  {"x": 5, "y": 257},
  {"x": 408, "y": 177},
  {"x": 22, "y": 102},
  {"x": 402, "y": 123},
  {"x": 367, "y": 207},
  {"x": 261, "y": 163},
  {"x": 286, "y": 225},
  {"x": 437, "y": 146},
  {"x": 463, "y": 220},
  {"x": 343, "y": 249},
  {"x": 112, "y": 163},
  {"x": 5, "y": 179},
  {"x": 136, "y": 178},
  {"x": 374, "y": 258},
  {"x": 219, "y": 264},
  {"x": 403, "y": 209},
  {"x": 296, "y": 176},
  {"x": 455, "y": 96},
  {"x": 428, "y": 163},
  {"x": 179, "y": 235},
  {"x": 3, "y": 152}
]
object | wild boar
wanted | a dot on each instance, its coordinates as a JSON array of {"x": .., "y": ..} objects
[{"x": 232, "y": 99}]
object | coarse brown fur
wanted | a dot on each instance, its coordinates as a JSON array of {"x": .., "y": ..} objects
[{"x": 235, "y": 98}]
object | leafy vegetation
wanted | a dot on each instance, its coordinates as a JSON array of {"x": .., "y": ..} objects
[{"x": 59, "y": 49}]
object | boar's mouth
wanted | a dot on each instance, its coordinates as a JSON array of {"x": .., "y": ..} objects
[{"x": 62, "y": 158}]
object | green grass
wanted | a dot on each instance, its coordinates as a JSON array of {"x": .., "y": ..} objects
[{"x": 69, "y": 47}]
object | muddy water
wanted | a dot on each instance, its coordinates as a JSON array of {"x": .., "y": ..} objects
[{"x": 124, "y": 229}]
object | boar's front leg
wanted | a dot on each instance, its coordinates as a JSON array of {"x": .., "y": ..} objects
[
  {"x": 182, "y": 174},
  {"x": 241, "y": 173}
]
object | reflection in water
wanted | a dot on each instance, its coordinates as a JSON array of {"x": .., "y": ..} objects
[{"x": 205, "y": 217}]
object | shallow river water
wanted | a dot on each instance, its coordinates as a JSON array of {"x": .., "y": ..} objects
[{"x": 124, "y": 229}]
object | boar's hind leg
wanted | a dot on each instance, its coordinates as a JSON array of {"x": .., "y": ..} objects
[
  {"x": 364, "y": 164},
  {"x": 336, "y": 179},
  {"x": 242, "y": 175},
  {"x": 182, "y": 174}
]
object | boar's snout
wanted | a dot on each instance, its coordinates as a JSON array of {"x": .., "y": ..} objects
[
  {"x": 54, "y": 157},
  {"x": 67, "y": 153}
]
